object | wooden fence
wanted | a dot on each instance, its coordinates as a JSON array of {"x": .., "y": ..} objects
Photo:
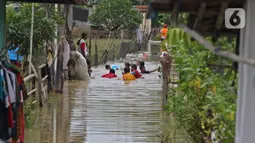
[{"x": 37, "y": 84}]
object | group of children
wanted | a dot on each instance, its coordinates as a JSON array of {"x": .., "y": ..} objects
[{"x": 130, "y": 71}]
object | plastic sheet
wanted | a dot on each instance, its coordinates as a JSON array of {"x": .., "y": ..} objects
[{"x": 81, "y": 67}]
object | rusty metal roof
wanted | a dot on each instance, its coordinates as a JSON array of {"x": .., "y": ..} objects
[
  {"x": 205, "y": 16},
  {"x": 79, "y": 2}
]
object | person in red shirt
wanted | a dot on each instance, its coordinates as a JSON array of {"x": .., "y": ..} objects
[
  {"x": 111, "y": 74},
  {"x": 84, "y": 51},
  {"x": 135, "y": 72}
]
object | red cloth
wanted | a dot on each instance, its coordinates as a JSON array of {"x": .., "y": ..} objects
[
  {"x": 22, "y": 124},
  {"x": 10, "y": 115},
  {"x": 109, "y": 75},
  {"x": 137, "y": 74},
  {"x": 83, "y": 46}
]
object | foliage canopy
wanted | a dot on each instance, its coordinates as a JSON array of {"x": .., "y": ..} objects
[
  {"x": 116, "y": 15},
  {"x": 19, "y": 26}
]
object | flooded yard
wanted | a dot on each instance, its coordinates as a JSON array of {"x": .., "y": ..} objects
[{"x": 102, "y": 111}]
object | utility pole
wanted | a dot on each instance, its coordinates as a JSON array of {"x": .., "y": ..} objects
[
  {"x": 31, "y": 40},
  {"x": 55, "y": 43}
]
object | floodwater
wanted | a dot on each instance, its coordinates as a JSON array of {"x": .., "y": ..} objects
[{"x": 102, "y": 111}]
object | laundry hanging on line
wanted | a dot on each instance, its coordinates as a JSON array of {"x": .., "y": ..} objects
[{"x": 12, "y": 96}]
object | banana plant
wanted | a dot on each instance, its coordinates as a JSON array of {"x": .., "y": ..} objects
[{"x": 175, "y": 36}]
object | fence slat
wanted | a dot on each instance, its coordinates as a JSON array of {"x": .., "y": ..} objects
[
  {"x": 42, "y": 66},
  {"x": 32, "y": 91},
  {"x": 40, "y": 85},
  {"x": 43, "y": 79},
  {"x": 27, "y": 78}
]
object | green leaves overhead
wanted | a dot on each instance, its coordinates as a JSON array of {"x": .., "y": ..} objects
[
  {"x": 116, "y": 15},
  {"x": 19, "y": 25}
]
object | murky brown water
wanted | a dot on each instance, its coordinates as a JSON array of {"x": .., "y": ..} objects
[{"x": 102, "y": 111}]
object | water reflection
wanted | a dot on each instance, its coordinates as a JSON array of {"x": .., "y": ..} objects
[{"x": 102, "y": 111}]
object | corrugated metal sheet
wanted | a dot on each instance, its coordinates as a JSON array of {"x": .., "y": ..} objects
[{"x": 80, "y": 14}]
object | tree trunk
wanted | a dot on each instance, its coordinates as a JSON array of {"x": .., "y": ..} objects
[{"x": 59, "y": 76}]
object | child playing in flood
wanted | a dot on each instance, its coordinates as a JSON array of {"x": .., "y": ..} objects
[
  {"x": 143, "y": 69},
  {"x": 111, "y": 74},
  {"x": 135, "y": 72},
  {"x": 107, "y": 67},
  {"x": 127, "y": 76}
]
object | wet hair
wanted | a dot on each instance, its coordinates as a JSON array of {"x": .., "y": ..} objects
[
  {"x": 126, "y": 70},
  {"x": 112, "y": 71},
  {"x": 134, "y": 66},
  {"x": 142, "y": 64},
  {"x": 107, "y": 67},
  {"x": 127, "y": 64},
  {"x": 84, "y": 35}
]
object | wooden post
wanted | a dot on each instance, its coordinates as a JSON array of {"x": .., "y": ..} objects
[
  {"x": 39, "y": 86},
  {"x": 96, "y": 52},
  {"x": 90, "y": 37},
  {"x": 106, "y": 57},
  {"x": 113, "y": 56},
  {"x": 59, "y": 72},
  {"x": 33, "y": 86},
  {"x": 166, "y": 65},
  {"x": 2, "y": 23}
]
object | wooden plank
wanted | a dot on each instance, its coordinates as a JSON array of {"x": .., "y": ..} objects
[
  {"x": 220, "y": 18},
  {"x": 41, "y": 66},
  {"x": 44, "y": 78},
  {"x": 200, "y": 14},
  {"x": 32, "y": 91},
  {"x": 44, "y": 88},
  {"x": 40, "y": 86},
  {"x": 27, "y": 78}
]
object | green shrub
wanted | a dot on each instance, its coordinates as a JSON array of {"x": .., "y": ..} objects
[{"x": 205, "y": 100}]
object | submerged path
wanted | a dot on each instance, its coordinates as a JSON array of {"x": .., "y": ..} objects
[{"x": 102, "y": 111}]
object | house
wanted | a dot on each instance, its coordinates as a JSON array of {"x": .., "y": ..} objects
[{"x": 146, "y": 24}]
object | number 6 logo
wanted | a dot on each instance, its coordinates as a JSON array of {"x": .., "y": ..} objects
[{"x": 235, "y": 18}]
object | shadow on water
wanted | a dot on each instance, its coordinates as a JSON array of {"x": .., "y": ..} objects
[{"x": 102, "y": 111}]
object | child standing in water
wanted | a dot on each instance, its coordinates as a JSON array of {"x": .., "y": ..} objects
[
  {"x": 107, "y": 67},
  {"x": 111, "y": 74},
  {"x": 135, "y": 71},
  {"x": 143, "y": 69},
  {"x": 127, "y": 76}
]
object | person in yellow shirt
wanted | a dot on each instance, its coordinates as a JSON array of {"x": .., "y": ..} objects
[{"x": 127, "y": 76}]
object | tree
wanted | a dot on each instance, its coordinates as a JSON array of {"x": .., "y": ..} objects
[
  {"x": 116, "y": 15},
  {"x": 19, "y": 24}
]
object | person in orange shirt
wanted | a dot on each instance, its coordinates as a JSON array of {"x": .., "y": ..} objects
[
  {"x": 163, "y": 32},
  {"x": 127, "y": 76}
]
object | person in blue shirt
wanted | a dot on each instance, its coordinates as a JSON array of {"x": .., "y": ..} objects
[{"x": 13, "y": 53}]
